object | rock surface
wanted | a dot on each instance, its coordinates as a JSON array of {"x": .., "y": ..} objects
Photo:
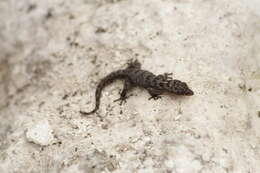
[{"x": 53, "y": 53}]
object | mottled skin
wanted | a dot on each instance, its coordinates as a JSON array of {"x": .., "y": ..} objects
[{"x": 134, "y": 76}]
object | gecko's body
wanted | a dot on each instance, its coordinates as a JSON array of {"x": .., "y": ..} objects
[{"x": 134, "y": 76}]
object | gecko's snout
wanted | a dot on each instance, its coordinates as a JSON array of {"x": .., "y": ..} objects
[{"x": 189, "y": 92}]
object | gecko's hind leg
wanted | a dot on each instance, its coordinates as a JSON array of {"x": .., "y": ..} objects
[
  {"x": 127, "y": 87},
  {"x": 134, "y": 64}
]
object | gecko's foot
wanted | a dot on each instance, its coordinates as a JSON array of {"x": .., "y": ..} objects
[
  {"x": 122, "y": 99},
  {"x": 155, "y": 97}
]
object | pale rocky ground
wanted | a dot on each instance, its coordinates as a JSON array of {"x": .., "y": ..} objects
[{"x": 54, "y": 52}]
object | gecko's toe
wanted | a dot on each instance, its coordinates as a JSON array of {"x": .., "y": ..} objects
[{"x": 155, "y": 97}]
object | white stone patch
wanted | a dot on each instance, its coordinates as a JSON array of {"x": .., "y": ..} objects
[{"x": 40, "y": 133}]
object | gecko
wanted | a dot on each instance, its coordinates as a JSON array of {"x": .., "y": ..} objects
[{"x": 134, "y": 76}]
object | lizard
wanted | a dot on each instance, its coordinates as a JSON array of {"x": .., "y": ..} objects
[{"x": 134, "y": 76}]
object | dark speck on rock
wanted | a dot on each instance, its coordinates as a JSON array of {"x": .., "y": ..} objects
[
  {"x": 31, "y": 7},
  {"x": 65, "y": 97},
  {"x": 100, "y": 30},
  {"x": 49, "y": 14},
  {"x": 71, "y": 17}
]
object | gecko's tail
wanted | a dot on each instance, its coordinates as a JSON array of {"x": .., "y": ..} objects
[
  {"x": 100, "y": 86},
  {"x": 104, "y": 82}
]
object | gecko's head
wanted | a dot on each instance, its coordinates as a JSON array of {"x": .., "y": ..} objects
[{"x": 179, "y": 88}]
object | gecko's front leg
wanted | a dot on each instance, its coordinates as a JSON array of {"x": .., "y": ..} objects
[{"x": 127, "y": 87}]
